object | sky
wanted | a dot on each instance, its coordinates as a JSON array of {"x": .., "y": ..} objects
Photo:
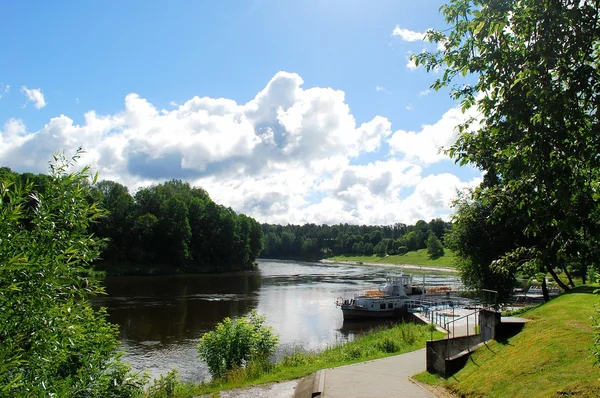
[{"x": 288, "y": 111}]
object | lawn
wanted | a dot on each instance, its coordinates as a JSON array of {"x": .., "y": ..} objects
[
  {"x": 550, "y": 357},
  {"x": 419, "y": 257}
]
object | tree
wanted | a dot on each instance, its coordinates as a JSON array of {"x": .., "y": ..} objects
[
  {"x": 380, "y": 249},
  {"x": 479, "y": 243},
  {"x": 236, "y": 343},
  {"x": 53, "y": 342},
  {"x": 368, "y": 250},
  {"x": 536, "y": 93},
  {"x": 434, "y": 246}
]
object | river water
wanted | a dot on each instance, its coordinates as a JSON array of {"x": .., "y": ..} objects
[{"x": 162, "y": 318}]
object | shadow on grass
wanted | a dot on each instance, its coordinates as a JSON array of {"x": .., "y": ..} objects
[{"x": 587, "y": 289}]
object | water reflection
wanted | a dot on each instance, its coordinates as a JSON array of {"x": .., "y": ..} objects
[{"x": 161, "y": 318}]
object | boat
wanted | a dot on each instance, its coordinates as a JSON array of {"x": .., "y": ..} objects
[{"x": 389, "y": 301}]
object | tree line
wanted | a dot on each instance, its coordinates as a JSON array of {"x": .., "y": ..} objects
[
  {"x": 171, "y": 226},
  {"x": 317, "y": 241}
]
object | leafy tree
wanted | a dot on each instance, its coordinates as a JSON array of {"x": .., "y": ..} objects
[
  {"x": 235, "y": 343},
  {"x": 380, "y": 249},
  {"x": 536, "y": 78},
  {"x": 368, "y": 249},
  {"x": 478, "y": 243},
  {"x": 434, "y": 246},
  {"x": 53, "y": 343}
]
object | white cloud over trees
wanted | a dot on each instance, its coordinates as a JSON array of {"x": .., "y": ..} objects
[{"x": 291, "y": 154}]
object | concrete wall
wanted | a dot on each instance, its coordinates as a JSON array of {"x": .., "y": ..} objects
[
  {"x": 489, "y": 321},
  {"x": 441, "y": 354}
]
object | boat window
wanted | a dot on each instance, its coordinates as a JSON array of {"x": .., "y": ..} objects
[
  {"x": 382, "y": 306},
  {"x": 390, "y": 305}
]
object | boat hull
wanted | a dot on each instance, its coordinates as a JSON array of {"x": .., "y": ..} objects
[{"x": 352, "y": 313}]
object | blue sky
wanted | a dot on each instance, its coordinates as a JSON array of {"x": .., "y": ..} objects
[{"x": 305, "y": 112}]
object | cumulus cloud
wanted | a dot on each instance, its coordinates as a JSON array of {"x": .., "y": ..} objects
[
  {"x": 426, "y": 146},
  {"x": 411, "y": 36},
  {"x": 407, "y": 34},
  {"x": 291, "y": 154},
  {"x": 34, "y": 95}
]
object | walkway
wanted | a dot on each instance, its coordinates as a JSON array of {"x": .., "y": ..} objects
[{"x": 380, "y": 378}]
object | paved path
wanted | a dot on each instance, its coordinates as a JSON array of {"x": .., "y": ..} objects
[{"x": 380, "y": 378}]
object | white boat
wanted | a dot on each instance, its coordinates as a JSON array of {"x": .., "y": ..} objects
[{"x": 389, "y": 301}]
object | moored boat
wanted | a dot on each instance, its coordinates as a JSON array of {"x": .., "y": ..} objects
[{"x": 389, "y": 301}]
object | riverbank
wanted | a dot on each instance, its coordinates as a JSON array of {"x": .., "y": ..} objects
[
  {"x": 392, "y": 265},
  {"x": 379, "y": 343}
]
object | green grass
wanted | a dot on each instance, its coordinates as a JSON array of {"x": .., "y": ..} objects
[
  {"x": 383, "y": 342},
  {"x": 419, "y": 257},
  {"x": 551, "y": 357}
]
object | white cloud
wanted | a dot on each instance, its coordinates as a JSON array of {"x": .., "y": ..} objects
[
  {"x": 382, "y": 89},
  {"x": 411, "y": 36},
  {"x": 426, "y": 145},
  {"x": 34, "y": 95},
  {"x": 290, "y": 154},
  {"x": 4, "y": 89},
  {"x": 407, "y": 35},
  {"x": 424, "y": 93}
]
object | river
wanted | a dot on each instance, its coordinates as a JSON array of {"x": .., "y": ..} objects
[{"x": 162, "y": 318}]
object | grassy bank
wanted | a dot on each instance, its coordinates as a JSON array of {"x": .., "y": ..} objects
[
  {"x": 383, "y": 342},
  {"x": 550, "y": 357},
  {"x": 419, "y": 257}
]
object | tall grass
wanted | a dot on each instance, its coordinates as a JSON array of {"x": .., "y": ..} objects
[{"x": 296, "y": 363}]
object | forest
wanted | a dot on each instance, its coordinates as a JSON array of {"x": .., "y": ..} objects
[
  {"x": 318, "y": 241},
  {"x": 170, "y": 227}
]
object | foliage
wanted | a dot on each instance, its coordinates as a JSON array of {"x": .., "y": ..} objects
[
  {"x": 318, "y": 241},
  {"x": 53, "y": 342},
  {"x": 175, "y": 224},
  {"x": 434, "y": 246},
  {"x": 534, "y": 64},
  {"x": 236, "y": 343},
  {"x": 478, "y": 243},
  {"x": 171, "y": 226},
  {"x": 165, "y": 386}
]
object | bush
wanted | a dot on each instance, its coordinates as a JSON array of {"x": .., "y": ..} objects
[
  {"x": 389, "y": 346},
  {"x": 235, "y": 343},
  {"x": 402, "y": 250},
  {"x": 53, "y": 343}
]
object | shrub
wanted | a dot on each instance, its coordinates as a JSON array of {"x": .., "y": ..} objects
[
  {"x": 235, "y": 343},
  {"x": 389, "y": 346},
  {"x": 53, "y": 343}
]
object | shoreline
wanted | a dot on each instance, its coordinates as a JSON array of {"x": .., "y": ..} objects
[{"x": 402, "y": 266}]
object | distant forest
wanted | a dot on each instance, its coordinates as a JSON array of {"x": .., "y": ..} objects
[
  {"x": 174, "y": 227},
  {"x": 314, "y": 241},
  {"x": 170, "y": 226}
]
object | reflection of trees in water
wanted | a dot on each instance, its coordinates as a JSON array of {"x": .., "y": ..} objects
[{"x": 177, "y": 307}]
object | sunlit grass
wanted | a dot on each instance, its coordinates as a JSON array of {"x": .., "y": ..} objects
[
  {"x": 550, "y": 357},
  {"x": 419, "y": 257}
]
